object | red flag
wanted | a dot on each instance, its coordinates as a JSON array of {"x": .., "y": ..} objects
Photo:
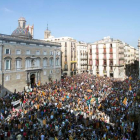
[
  {"x": 89, "y": 97},
  {"x": 27, "y": 28}
]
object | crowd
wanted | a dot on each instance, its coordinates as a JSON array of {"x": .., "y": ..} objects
[{"x": 82, "y": 107}]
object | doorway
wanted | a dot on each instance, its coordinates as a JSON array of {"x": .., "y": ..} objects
[{"x": 32, "y": 80}]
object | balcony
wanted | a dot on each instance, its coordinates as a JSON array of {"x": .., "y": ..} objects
[
  {"x": 111, "y": 71},
  {"x": 97, "y": 64},
  {"x": 33, "y": 68},
  {"x": 121, "y": 52},
  {"x": 90, "y": 64},
  {"x": 121, "y": 47},
  {"x": 121, "y": 58},
  {"x": 97, "y": 70},
  {"x": 104, "y": 71},
  {"x": 104, "y": 64},
  {"x": 111, "y": 64},
  {"x": 65, "y": 70}
]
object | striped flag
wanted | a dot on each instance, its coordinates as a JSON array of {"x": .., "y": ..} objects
[
  {"x": 125, "y": 101},
  {"x": 99, "y": 106}
]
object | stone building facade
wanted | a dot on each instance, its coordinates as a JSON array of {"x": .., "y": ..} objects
[{"x": 25, "y": 61}]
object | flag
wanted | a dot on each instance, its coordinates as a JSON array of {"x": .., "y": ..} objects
[
  {"x": 125, "y": 101},
  {"x": 38, "y": 83},
  {"x": 130, "y": 78},
  {"x": 130, "y": 88},
  {"x": 27, "y": 28},
  {"x": 89, "y": 97},
  {"x": 99, "y": 106}
]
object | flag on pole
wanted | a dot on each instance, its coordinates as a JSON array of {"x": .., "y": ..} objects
[{"x": 125, "y": 101}]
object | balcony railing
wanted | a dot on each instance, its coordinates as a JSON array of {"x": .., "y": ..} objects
[
  {"x": 121, "y": 58},
  {"x": 97, "y": 69},
  {"x": 104, "y": 71},
  {"x": 104, "y": 64},
  {"x": 121, "y": 52},
  {"x": 33, "y": 68}
]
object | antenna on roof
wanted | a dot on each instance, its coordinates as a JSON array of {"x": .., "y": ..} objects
[{"x": 47, "y": 26}]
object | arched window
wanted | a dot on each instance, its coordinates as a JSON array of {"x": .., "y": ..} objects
[
  {"x": 45, "y": 62},
  {"x": 37, "y": 62},
  {"x": 7, "y": 63},
  {"x": 51, "y": 61},
  {"x": 18, "y": 63},
  {"x": 28, "y": 63},
  {"x": 57, "y": 62}
]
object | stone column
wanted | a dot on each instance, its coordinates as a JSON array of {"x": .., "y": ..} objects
[{"x": 139, "y": 56}]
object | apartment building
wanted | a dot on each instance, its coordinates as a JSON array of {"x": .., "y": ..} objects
[
  {"x": 82, "y": 57},
  {"x": 106, "y": 58}
]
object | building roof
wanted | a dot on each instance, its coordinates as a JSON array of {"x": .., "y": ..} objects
[
  {"x": 21, "y": 32},
  {"x": 9, "y": 38}
]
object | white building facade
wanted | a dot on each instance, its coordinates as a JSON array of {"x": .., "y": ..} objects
[
  {"x": 82, "y": 57},
  {"x": 106, "y": 58}
]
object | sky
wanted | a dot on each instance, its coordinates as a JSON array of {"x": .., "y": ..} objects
[{"x": 83, "y": 20}]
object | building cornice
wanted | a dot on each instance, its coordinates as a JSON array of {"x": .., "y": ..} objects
[{"x": 9, "y": 38}]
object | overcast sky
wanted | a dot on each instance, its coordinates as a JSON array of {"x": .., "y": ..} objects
[{"x": 84, "y": 20}]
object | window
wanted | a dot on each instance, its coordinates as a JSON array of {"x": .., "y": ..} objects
[
  {"x": 51, "y": 52},
  {"x": 28, "y": 63},
  {"x": 45, "y": 62},
  {"x": 51, "y": 71},
  {"x": 58, "y": 53},
  {"x": 44, "y": 72},
  {"x": 37, "y": 52},
  {"x": 8, "y": 64},
  {"x": 7, "y": 78},
  {"x": 7, "y": 51},
  {"x": 18, "y": 64},
  {"x": 37, "y": 64},
  {"x": 18, "y": 76},
  {"x": 57, "y": 62},
  {"x": 51, "y": 61},
  {"x": 18, "y": 51},
  {"x": 45, "y": 53},
  {"x": 28, "y": 52}
]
